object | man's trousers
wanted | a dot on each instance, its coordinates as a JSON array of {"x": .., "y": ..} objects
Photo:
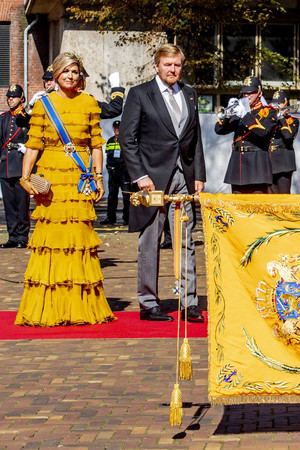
[
  {"x": 149, "y": 247},
  {"x": 16, "y": 207}
]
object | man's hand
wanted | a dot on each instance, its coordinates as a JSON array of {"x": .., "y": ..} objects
[
  {"x": 199, "y": 186},
  {"x": 146, "y": 184}
]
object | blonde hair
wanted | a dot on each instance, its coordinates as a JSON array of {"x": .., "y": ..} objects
[
  {"x": 64, "y": 60},
  {"x": 168, "y": 50}
]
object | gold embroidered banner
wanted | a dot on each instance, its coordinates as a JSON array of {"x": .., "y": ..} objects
[{"x": 253, "y": 269}]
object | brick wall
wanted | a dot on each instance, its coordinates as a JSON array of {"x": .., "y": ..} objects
[{"x": 13, "y": 11}]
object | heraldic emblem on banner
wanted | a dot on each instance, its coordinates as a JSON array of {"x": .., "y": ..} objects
[{"x": 253, "y": 271}]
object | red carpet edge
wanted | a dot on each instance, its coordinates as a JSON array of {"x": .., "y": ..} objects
[{"x": 128, "y": 326}]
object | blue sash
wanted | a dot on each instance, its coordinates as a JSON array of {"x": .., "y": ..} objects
[{"x": 86, "y": 183}]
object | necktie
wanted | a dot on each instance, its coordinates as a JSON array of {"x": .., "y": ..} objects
[{"x": 174, "y": 105}]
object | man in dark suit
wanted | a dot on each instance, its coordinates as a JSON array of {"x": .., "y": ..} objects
[{"x": 162, "y": 148}]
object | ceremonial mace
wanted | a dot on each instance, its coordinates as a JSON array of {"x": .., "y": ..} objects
[{"x": 184, "y": 361}]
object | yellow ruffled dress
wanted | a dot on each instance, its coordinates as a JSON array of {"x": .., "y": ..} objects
[{"x": 63, "y": 280}]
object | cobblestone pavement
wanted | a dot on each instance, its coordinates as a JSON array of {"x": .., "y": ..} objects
[{"x": 114, "y": 393}]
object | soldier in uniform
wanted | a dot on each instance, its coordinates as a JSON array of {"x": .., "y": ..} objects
[
  {"x": 282, "y": 153},
  {"x": 249, "y": 169},
  {"x": 49, "y": 86},
  {"x": 13, "y": 134},
  {"x": 118, "y": 178}
]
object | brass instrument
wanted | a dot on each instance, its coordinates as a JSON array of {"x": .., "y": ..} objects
[
  {"x": 291, "y": 109},
  {"x": 231, "y": 109},
  {"x": 158, "y": 198}
]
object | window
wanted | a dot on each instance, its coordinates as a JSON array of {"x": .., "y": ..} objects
[
  {"x": 238, "y": 51},
  {"x": 277, "y": 42},
  {"x": 4, "y": 54}
]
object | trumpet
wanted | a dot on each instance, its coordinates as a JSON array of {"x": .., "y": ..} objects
[
  {"x": 281, "y": 111},
  {"x": 235, "y": 106},
  {"x": 227, "y": 111}
]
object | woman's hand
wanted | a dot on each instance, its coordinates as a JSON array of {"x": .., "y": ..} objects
[
  {"x": 28, "y": 186},
  {"x": 100, "y": 190}
]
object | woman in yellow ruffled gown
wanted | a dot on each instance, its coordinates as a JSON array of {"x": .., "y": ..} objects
[{"x": 63, "y": 280}]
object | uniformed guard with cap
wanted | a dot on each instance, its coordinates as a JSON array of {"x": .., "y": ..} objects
[
  {"x": 118, "y": 178},
  {"x": 252, "y": 121},
  {"x": 282, "y": 152},
  {"x": 13, "y": 135},
  {"x": 48, "y": 80},
  {"x": 49, "y": 86}
]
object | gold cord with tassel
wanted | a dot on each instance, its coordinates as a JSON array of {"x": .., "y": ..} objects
[
  {"x": 176, "y": 406},
  {"x": 186, "y": 369},
  {"x": 176, "y": 400}
]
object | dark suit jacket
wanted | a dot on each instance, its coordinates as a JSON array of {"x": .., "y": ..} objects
[{"x": 150, "y": 145}]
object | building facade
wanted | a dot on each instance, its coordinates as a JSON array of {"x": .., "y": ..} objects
[
  {"x": 245, "y": 50},
  {"x": 13, "y": 24}
]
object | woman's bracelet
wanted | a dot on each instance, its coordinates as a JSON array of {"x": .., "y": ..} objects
[
  {"x": 99, "y": 175},
  {"x": 25, "y": 178}
]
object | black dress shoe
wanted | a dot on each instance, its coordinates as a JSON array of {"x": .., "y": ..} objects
[
  {"x": 165, "y": 245},
  {"x": 21, "y": 245},
  {"x": 9, "y": 244},
  {"x": 107, "y": 222},
  {"x": 193, "y": 314},
  {"x": 155, "y": 314}
]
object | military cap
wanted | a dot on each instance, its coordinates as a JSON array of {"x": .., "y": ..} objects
[
  {"x": 116, "y": 123},
  {"x": 15, "y": 90},
  {"x": 48, "y": 74},
  {"x": 251, "y": 84},
  {"x": 84, "y": 73},
  {"x": 281, "y": 97}
]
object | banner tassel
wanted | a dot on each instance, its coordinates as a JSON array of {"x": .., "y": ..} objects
[
  {"x": 176, "y": 398},
  {"x": 176, "y": 407},
  {"x": 185, "y": 366},
  {"x": 185, "y": 360}
]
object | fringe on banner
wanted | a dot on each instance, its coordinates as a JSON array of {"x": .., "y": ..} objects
[{"x": 242, "y": 399}]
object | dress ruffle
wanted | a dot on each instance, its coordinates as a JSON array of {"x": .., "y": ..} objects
[
  {"x": 46, "y": 306},
  {"x": 66, "y": 267}
]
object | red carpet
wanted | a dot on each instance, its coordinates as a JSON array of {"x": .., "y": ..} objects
[{"x": 128, "y": 326}]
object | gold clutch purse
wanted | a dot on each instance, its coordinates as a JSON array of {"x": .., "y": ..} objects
[{"x": 41, "y": 184}]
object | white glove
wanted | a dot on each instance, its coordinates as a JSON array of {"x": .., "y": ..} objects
[
  {"x": 238, "y": 108},
  {"x": 114, "y": 79},
  {"x": 280, "y": 114},
  {"x": 21, "y": 148},
  {"x": 232, "y": 107},
  {"x": 36, "y": 96},
  {"x": 232, "y": 101},
  {"x": 220, "y": 112}
]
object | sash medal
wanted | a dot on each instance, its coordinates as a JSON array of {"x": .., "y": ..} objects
[{"x": 86, "y": 183}]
